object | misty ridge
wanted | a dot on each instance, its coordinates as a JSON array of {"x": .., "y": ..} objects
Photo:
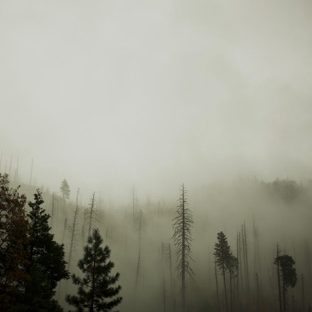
[
  {"x": 155, "y": 156},
  {"x": 246, "y": 247}
]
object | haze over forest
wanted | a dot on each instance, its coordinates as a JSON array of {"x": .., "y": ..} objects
[{"x": 117, "y": 110}]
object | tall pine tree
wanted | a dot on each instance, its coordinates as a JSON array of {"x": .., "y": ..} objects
[
  {"x": 96, "y": 290},
  {"x": 46, "y": 264},
  {"x": 223, "y": 258}
]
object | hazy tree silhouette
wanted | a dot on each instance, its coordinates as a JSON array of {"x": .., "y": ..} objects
[
  {"x": 224, "y": 260},
  {"x": 182, "y": 240},
  {"x": 13, "y": 245},
  {"x": 96, "y": 290},
  {"x": 65, "y": 190},
  {"x": 288, "y": 276},
  {"x": 46, "y": 264}
]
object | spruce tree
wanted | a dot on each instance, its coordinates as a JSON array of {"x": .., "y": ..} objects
[
  {"x": 46, "y": 264},
  {"x": 13, "y": 245},
  {"x": 96, "y": 290}
]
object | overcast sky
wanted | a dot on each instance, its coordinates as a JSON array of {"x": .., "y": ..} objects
[{"x": 113, "y": 93}]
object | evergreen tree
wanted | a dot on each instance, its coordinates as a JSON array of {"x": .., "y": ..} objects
[
  {"x": 46, "y": 264},
  {"x": 182, "y": 240},
  {"x": 65, "y": 190},
  {"x": 224, "y": 257},
  {"x": 287, "y": 271},
  {"x": 13, "y": 245},
  {"x": 96, "y": 290}
]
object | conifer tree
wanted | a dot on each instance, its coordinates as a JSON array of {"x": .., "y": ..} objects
[
  {"x": 223, "y": 258},
  {"x": 46, "y": 264},
  {"x": 287, "y": 271},
  {"x": 13, "y": 245},
  {"x": 65, "y": 190},
  {"x": 182, "y": 240},
  {"x": 96, "y": 290}
]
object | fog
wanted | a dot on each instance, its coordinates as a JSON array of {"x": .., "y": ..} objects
[
  {"x": 130, "y": 99},
  {"x": 111, "y": 94}
]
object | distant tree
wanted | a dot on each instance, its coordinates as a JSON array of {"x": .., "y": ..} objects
[
  {"x": 287, "y": 190},
  {"x": 182, "y": 240},
  {"x": 46, "y": 264},
  {"x": 224, "y": 258},
  {"x": 96, "y": 290},
  {"x": 232, "y": 267},
  {"x": 13, "y": 245},
  {"x": 288, "y": 275},
  {"x": 65, "y": 190}
]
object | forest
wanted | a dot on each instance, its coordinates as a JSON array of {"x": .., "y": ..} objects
[
  {"x": 242, "y": 246},
  {"x": 155, "y": 156}
]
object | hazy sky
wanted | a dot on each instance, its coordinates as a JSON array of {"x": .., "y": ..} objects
[{"x": 156, "y": 92}]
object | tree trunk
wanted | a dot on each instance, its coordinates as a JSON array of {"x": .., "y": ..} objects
[
  {"x": 225, "y": 290},
  {"x": 217, "y": 287},
  {"x": 279, "y": 283}
]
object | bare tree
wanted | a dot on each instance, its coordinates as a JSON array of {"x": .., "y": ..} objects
[
  {"x": 73, "y": 231},
  {"x": 182, "y": 225},
  {"x": 91, "y": 214}
]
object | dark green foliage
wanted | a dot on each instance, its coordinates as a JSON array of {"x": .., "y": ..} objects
[
  {"x": 13, "y": 245},
  {"x": 95, "y": 289},
  {"x": 46, "y": 264}
]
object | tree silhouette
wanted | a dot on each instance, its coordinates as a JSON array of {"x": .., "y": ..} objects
[
  {"x": 288, "y": 274},
  {"x": 13, "y": 245},
  {"x": 46, "y": 264},
  {"x": 95, "y": 289},
  {"x": 182, "y": 240},
  {"x": 65, "y": 190},
  {"x": 224, "y": 260}
]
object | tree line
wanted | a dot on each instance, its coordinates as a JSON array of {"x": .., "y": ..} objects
[{"x": 32, "y": 263}]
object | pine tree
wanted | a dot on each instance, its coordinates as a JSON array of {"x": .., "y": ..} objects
[
  {"x": 223, "y": 258},
  {"x": 182, "y": 240},
  {"x": 285, "y": 264},
  {"x": 46, "y": 264},
  {"x": 96, "y": 290},
  {"x": 13, "y": 245},
  {"x": 65, "y": 190}
]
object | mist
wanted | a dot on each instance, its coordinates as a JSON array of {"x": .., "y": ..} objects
[{"x": 132, "y": 99}]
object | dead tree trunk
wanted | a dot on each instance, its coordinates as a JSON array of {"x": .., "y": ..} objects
[
  {"x": 225, "y": 291},
  {"x": 73, "y": 231},
  {"x": 302, "y": 294},
  {"x": 138, "y": 268},
  {"x": 64, "y": 230},
  {"x": 217, "y": 286},
  {"x": 52, "y": 210},
  {"x": 279, "y": 282},
  {"x": 182, "y": 239},
  {"x": 91, "y": 214},
  {"x": 163, "y": 263}
]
